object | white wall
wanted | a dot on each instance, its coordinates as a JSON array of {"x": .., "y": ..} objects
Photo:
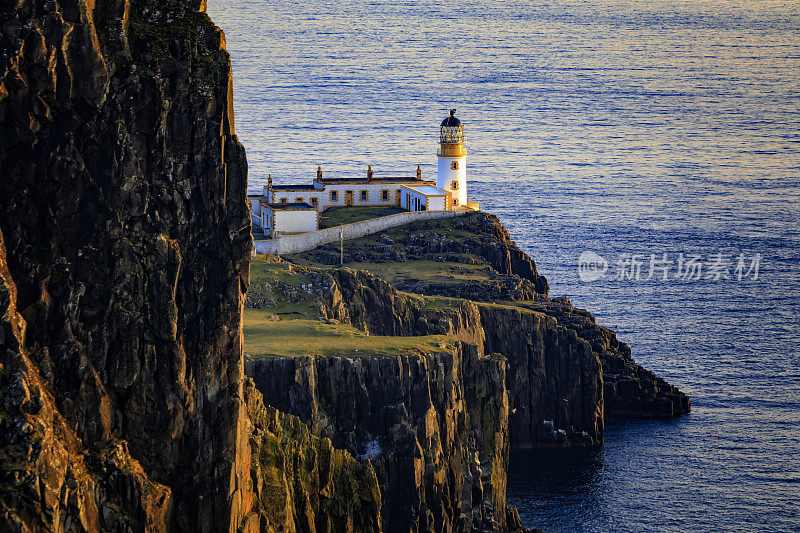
[
  {"x": 445, "y": 176},
  {"x": 436, "y": 203},
  {"x": 373, "y": 194},
  {"x": 324, "y": 196},
  {"x": 294, "y": 221},
  {"x": 410, "y": 195},
  {"x": 266, "y": 219},
  {"x": 292, "y": 244}
]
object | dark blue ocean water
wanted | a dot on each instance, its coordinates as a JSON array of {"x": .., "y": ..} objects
[{"x": 618, "y": 127}]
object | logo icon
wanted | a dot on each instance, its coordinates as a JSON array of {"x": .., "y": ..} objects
[{"x": 591, "y": 266}]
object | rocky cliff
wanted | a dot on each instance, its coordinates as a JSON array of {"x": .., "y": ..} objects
[
  {"x": 554, "y": 379},
  {"x": 124, "y": 255},
  {"x": 124, "y": 250},
  {"x": 434, "y": 422},
  {"x": 629, "y": 390},
  {"x": 433, "y": 425},
  {"x": 300, "y": 482},
  {"x": 480, "y": 263}
]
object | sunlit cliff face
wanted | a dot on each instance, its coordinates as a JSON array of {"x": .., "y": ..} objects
[{"x": 616, "y": 127}]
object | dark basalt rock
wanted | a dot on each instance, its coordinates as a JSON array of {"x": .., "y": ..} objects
[
  {"x": 554, "y": 378},
  {"x": 629, "y": 390},
  {"x": 434, "y": 426},
  {"x": 124, "y": 252}
]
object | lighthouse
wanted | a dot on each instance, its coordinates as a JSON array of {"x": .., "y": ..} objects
[{"x": 451, "y": 174}]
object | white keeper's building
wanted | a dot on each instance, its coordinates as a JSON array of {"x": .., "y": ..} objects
[{"x": 285, "y": 209}]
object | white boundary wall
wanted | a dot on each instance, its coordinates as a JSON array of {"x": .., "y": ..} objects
[{"x": 303, "y": 242}]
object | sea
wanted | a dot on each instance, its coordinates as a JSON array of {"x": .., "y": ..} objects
[{"x": 645, "y": 154}]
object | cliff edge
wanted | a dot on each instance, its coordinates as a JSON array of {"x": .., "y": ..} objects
[
  {"x": 124, "y": 261},
  {"x": 124, "y": 264}
]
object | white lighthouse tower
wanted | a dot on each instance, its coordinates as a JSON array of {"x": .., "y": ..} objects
[{"x": 451, "y": 174}]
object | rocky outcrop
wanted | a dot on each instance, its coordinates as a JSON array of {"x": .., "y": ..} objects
[
  {"x": 125, "y": 262},
  {"x": 629, "y": 390},
  {"x": 434, "y": 426},
  {"x": 554, "y": 379},
  {"x": 300, "y": 481},
  {"x": 458, "y": 240}
]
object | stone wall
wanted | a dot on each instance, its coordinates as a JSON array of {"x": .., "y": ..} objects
[{"x": 293, "y": 244}]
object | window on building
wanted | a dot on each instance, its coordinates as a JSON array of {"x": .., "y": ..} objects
[
  {"x": 314, "y": 201},
  {"x": 385, "y": 195},
  {"x": 454, "y": 185},
  {"x": 299, "y": 199},
  {"x": 334, "y": 196},
  {"x": 364, "y": 196},
  {"x": 454, "y": 165},
  {"x": 284, "y": 200},
  {"x": 455, "y": 201}
]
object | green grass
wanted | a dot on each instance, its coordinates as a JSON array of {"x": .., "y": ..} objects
[
  {"x": 288, "y": 324},
  {"x": 282, "y": 284},
  {"x": 336, "y": 216},
  {"x": 263, "y": 268},
  {"x": 441, "y": 302},
  {"x": 425, "y": 271},
  {"x": 264, "y": 337},
  {"x": 448, "y": 273}
]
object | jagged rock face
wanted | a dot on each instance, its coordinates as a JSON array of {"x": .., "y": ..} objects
[
  {"x": 629, "y": 390},
  {"x": 554, "y": 379},
  {"x": 372, "y": 305},
  {"x": 126, "y": 244},
  {"x": 49, "y": 482},
  {"x": 301, "y": 482},
  {"x": 435, "y": 426}
]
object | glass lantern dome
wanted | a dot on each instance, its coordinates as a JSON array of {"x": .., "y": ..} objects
[{"x": 452, "y": 131}]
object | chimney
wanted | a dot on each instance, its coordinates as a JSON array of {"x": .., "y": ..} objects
[
  {"x": 319, "y": 173},
  {"x": 267, "y": 190},
  {"x": 419, "y": 173},
  {"x": 369, "y": 173}
]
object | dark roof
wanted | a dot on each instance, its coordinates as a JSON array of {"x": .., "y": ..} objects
[
  {"x": 382, "y": 179},
  {"x": 293, "y": 188},
  {"x": 292, "y": 205},
  {"x": 451, "y": 121}
]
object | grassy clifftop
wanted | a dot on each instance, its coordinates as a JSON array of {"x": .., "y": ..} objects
[
  {"x": 428, "y": 355},
  {"x": 285, "y": 318}
]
